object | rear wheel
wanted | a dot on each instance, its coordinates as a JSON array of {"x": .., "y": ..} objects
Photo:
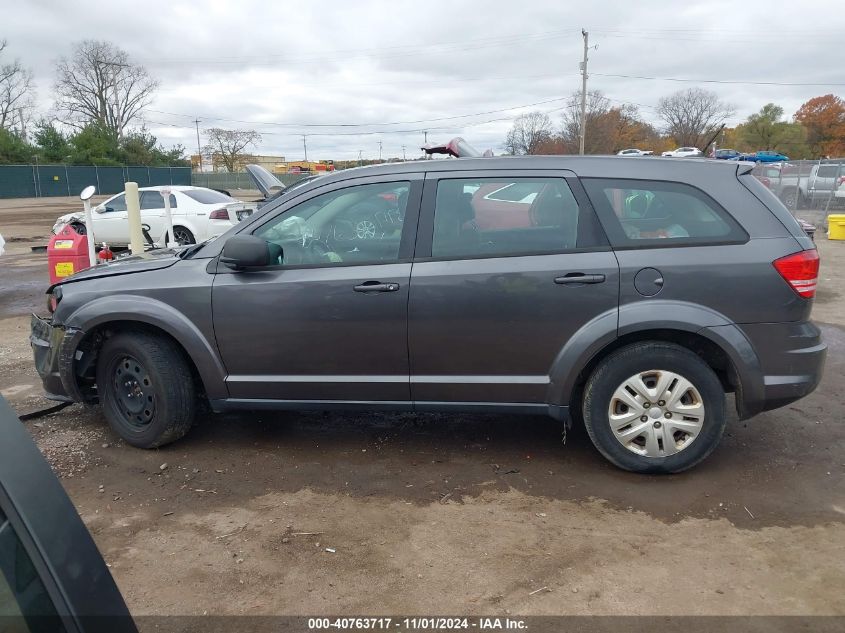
[
  {"x": 654, "y": 407},
  {"x": 146, "y": 389}
]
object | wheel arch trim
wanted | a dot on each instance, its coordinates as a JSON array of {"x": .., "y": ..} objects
[{"x": 201, "y": 351}]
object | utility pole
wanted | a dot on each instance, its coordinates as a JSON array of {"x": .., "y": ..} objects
[
  {"x": 305, "y": 147},
  {"x": 199, "y": 151},
  {"x": 403, "y": 154},
  {"x": 585, "y": 35},
  {"x": 360, "y": 159},
  {"x": 379, "y": 151}
]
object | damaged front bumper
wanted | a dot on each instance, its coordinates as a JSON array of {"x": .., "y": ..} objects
[{"x": 53, "y": 348}]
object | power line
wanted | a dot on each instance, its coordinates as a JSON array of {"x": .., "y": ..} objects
[{"x": 723, "y": 81}]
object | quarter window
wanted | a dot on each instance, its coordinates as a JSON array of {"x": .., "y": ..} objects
[
  {"x": 356, "y": 225},
  {"x": 640, "y": 213},
  {"x": 504, "y": 216}
]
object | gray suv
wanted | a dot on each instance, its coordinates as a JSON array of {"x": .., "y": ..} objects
[{"x": 629, "y": 295}]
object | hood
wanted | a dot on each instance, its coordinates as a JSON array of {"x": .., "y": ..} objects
[
  {"x": 150, "y": 260},
  {"x": 266, "y": 182}
]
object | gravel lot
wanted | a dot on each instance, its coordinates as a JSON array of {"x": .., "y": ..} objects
[{"x": 420, "y": 514}]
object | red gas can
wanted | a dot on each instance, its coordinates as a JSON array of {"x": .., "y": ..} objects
[{"x": 67, "y": 253}]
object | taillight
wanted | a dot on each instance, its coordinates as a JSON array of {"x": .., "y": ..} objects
[
  {"x": 219, "y": 214},
  {"x": 801, "y": 271}
]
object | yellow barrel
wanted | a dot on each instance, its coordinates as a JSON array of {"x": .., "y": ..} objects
[{"x": 836, "y": 226}]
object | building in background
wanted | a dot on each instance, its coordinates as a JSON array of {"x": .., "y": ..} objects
[
  {"x": 211, "y": 163},
  {"x": 303, "y": 167}
]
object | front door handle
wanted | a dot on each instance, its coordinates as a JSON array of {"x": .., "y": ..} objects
[
  {"x": 375, "y": 286},
  {"x": 579, "y": 278}
]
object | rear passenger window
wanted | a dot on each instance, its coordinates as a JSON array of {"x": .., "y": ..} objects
[
  {"x": 508, "y": 216},
  {"x": 646, "y": 212}
]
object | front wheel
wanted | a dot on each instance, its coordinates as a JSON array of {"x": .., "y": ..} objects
[
  {"x": 183, "y": 236},
  {"x": 146, "y": 389},
  {"x": 654, "y": 407}
]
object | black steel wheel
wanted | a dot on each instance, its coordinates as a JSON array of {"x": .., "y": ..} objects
[{"x": 146, "y": 388}]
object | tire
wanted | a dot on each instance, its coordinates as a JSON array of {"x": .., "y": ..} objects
[
  {"x": 183, "y": 236},
  {"x": 79, "y": 227},
  {"x": 664, "y": 445},
  {"x": 160, "y": 409}
]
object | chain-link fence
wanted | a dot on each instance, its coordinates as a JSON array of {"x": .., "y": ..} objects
[
  {"x": 810, "y": 189},
  {"x": 35, "y": 181},
  {"x": 235, "y": 180}
]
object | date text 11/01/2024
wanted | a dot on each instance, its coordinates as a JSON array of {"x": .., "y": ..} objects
[{"x": 417, "y": 624}]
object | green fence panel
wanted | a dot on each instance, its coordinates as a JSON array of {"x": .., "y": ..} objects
[
  {"x": 160, "y": 176},
  {"x": 80, "y": 177},
  {"x": 141, "y": 175},
  {"x": 180, "y": 176},
  {"x": 52, "y": 180},
  {"x": 109, "y": 180},
  {"x": 17, "y": 181}
]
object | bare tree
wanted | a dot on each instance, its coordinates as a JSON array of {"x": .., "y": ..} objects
[
  {"x": 16, "y": 94},
  {"x": 229, "y": 145},
  {"x": 99, "y": 84},
  {"x": 529, "y": 132},
  {"x": 597, "y": 107},
  {"x": 692, "y": 116}
]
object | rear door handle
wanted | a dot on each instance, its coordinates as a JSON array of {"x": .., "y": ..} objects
[
  {"x": 579, "y": 278},
  {"x": 375, "y": 286}
]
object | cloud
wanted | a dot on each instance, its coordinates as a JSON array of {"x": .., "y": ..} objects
[{"x": 257, "y": 65}]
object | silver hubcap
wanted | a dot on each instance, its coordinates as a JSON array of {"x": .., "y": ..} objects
[{"x": 656, "y": 413}]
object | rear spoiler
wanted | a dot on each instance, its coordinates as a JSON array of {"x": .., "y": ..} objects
[{"x": 743, "y": 168}]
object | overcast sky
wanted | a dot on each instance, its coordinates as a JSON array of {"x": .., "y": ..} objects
[{"x": 410, "y": 62}]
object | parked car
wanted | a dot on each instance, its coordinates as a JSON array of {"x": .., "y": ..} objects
[
  {"x": 198, "y": 215},
  {"x": 52, "y": 577},
  {"x": 765, "y": 156},
  {"x": 634, "y": 152},
  {"x": 727, "y": 154},
  {"x": 631, "y": 295},
  {"x": 683, "y": 152}
]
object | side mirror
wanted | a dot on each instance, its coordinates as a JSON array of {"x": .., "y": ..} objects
[
  {"x": 243, "y": 252},
  {"x": 104, "y": 209}
]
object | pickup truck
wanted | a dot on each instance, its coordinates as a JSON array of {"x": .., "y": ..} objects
[{"x": 800, "y": 185}]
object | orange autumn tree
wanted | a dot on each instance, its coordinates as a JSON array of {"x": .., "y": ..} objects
[{"x": 823, "y": 119}]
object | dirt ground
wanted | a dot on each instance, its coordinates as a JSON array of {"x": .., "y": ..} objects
[{"x": 425, "y": 514}]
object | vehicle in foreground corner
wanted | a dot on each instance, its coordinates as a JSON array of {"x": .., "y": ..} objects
[
  {"x": 52, "y": 577},
  {"x": 683, "y": 152},
  {"x": 538, "y": 284},
  {"x": 198, "y": 214},
  {"x": 634, "y": 152}
]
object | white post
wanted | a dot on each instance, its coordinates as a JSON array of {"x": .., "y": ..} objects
[
  {"x": 89, "y": 233},
  {"x": 168, "y": 218},
  {"x": 133, "y": 209}
]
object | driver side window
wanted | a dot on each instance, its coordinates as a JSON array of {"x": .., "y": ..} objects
[
  {"x": 355, "y": 225},
  {"x": 116, "y": 204}
]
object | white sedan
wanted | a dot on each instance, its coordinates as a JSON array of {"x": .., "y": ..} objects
[
  {"x": 634, "y": 152},
  {"x": 683, "y": 152},
  {"x": 198, "y": 214}
]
